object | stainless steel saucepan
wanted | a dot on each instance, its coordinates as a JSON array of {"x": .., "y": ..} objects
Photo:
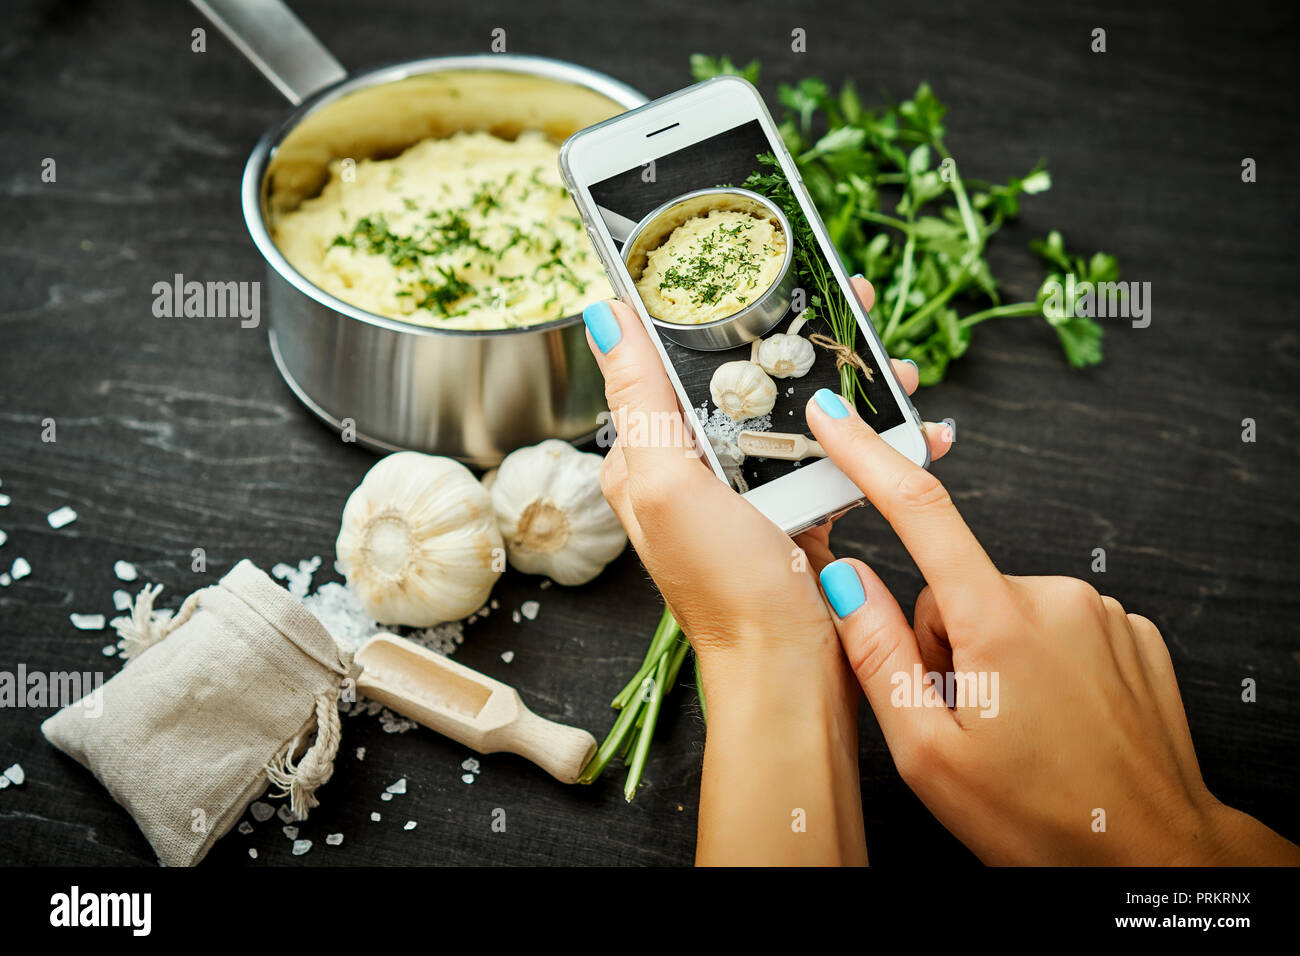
[{"x": 470, "y": 395}]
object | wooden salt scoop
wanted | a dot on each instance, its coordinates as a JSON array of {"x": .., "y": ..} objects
[
  {"x": 470, "y": 708},
  {"x": 779, "y": 445}
]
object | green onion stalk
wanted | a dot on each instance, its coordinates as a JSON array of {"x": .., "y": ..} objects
[{"x": 639, "y": 704}]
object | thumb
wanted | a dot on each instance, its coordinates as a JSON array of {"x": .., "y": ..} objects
[
  {"x": 651, "y": 429},
  {"x": 883, "y": 652}
]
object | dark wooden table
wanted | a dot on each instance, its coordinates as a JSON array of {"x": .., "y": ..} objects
[{"x": 174, "y": 434}]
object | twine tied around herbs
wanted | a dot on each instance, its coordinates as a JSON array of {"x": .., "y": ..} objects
[{"x": 844, "y": 355}]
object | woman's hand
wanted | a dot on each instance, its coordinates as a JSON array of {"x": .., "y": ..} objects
[
  {"x": 725, "y": 570},
  {"x": 1069, "y": 743},
  {"x": 782, "y": 732}
]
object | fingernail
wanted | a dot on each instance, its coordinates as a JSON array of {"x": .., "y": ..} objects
[
  {"x": 914, "y": 365},
  {"x": 843, "y": 588},
  {"x": 831, "y": 403},
  {"x": 602, "y": 325},
  {"x": 947, "y": 432},
  {"x": 858, "y": 275}
]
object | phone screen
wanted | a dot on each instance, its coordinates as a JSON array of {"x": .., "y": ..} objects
[{"x": 714, "y": 262}]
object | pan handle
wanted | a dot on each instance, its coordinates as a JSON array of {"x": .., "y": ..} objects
[{"x": 277, "y": 43}]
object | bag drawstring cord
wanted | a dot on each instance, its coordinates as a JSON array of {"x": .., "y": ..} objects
[
  {"x": 145, "y": 627},
  {"x": 298, "y": 781}
]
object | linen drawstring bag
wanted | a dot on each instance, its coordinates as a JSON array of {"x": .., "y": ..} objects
[{"x": 237, "y": 690}]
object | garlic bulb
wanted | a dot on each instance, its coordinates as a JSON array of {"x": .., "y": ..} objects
[
  {"x": 742, "y": 390},
  {"x": 419, "y": 543},
  {"x": 552, "y": 515},
  {"x": 786, "y": 356}
]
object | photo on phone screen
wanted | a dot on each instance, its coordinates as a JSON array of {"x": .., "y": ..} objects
[{"x": 733, "y": 245}]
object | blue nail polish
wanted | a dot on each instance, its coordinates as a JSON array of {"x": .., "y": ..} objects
[
  {"x": 831, "y": 403},
  {"x": 913, "y": 364},
  {"x": 602, "y": 325},
  {"x": 843, "y": 588},
  {"x": 858, "y": 275}
]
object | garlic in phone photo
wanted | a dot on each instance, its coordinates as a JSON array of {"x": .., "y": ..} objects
[
  {"x": 419, "y": 543},
  {"x": 786, "y": 354},
  {"x": 742, "y": 390}
]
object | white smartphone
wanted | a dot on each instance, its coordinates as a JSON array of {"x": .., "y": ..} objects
[{"x": 697, "y": 212}]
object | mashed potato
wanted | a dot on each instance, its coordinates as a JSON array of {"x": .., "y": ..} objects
[
  {"x": 468, "y": 232},
  {"x": 711, "y": 267}
]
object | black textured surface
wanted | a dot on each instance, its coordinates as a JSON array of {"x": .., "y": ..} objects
[{"x": 175, "y": 434}]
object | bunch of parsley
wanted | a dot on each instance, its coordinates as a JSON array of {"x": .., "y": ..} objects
[{"x": 901, "y": 214}]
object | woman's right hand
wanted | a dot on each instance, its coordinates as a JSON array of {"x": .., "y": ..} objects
[{"x": 1078, "y": 750}]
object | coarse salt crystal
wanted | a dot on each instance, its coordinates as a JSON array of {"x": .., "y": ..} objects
[
  {"x": 61, "y": 517},
  {"x": 4, "y": 500},
  {"x": 514, "y": 616},
  {"x": 334, "y": 839},
  {"x": 529, "y": 609},
  {"x": 385, "y": 797},
  {"x": 245, "y": 827},
  {"x": 299, "y": 578},
  {"x": 507, "y": 656},
  {"x": 3, "y": 537},
  {"x": 290, "y": 832},
  {"x": 125, "y": 571},
  {"x": 410, "y": 825},
  {"x": 121, "y": 600},
  {"x": 15, "y": 774},
  {"x": 441, "y": 639},
  {"x": 545, "y": 584},
  {"x": 340, "y": 611},
  {"x": 467, "y": 777},
  {"x": 495, "y": 604},
  {"x": 719, "y": 425},
  {"x": 284, "y": 813},
  {"x": 109, "y": 650},
  {"x": 398, "y": 787},
  {"x": 374, "y": 817},
  {"x": 394, "y": 723},
  {"x": 4, "y": 781},
  {"x": 261, "y": 811},
  {"x": 301, "y": 846},
  {"x": 361, "y": 753},
  {"x": 470, "y": 764},
  {"x": 5, "y": 579},
  {"x": 87, "y": 622},
  {"x": 20, "y": 569},
  {"x": 252, "y": 853}
]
